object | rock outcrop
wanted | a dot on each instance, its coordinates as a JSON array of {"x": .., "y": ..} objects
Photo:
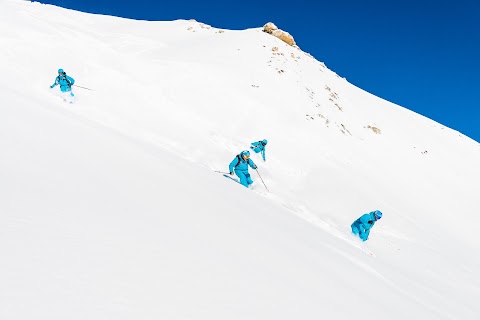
[{"x": 272, "y": 29}]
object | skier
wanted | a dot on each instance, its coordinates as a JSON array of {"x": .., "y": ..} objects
[
  {"x": 65, "y": 83},
  {"x": 259, "y": 146},
  {"x": 362, "y": 225},
  {"x": 240, "y": 166}
]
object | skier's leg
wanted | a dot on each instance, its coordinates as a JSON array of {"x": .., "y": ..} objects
[
  {"x": 65, "y": 96},
  {"x": 68, "y": 96},
  {"x": 363, "y": 235},
  {"x": 249, "y": 179},
  {"x": 243, "y": 179}
]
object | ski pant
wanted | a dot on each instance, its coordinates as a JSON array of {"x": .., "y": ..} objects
[
  {"x": 361, "y": 232},
  {"x": 244, "y": 177},
  {"x": 66, "y": 89}
]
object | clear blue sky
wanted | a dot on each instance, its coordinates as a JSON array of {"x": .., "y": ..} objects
[{"x": 421, "y": 54}]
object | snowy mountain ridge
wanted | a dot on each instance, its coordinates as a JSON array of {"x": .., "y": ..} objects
[{"x": 111, "y": 206}]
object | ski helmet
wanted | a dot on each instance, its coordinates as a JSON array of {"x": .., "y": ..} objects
[
  {"x": 378, "y": 214},
  {"x": 245, "y": 154},
  {"x": 60, "y": 70},
  {"x": 265, "y": 142}
]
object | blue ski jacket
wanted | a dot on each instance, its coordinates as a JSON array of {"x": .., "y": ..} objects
[
  {"x": 258, "y": 147},
  {"x": 64, "y": 81},
  {"x": 363, "y": 225},
  {"x": 239, "y": 164}
]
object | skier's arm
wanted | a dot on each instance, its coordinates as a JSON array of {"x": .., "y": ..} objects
[
  {"x": 367, "y": 233},
  {"x": 252, "y": 164},
  {"x": 55, "y": 83},
  {"x": 232, "y": 164},
  {"x": 71, "y": 80}
]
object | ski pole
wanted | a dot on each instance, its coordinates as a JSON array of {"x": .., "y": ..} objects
[
  {"x": 82, "y": 87},
  {"x": 262, "y": 180},
  {"x": 223, "y": 172}
]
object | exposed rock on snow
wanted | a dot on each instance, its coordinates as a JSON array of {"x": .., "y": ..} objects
[
  {"x": 269, "y": 27},
  {"x": 375, "y": 129},
  {"x": 282, "y": 35}
]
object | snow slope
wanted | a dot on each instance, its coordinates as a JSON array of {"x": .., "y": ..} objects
[{"x": 110, "y": 208}]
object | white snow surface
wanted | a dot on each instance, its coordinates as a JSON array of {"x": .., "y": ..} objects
[{"x": 110, "y": 207}]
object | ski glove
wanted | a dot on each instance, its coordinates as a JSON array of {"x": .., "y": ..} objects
[
  {"x": 255, "y": 167},
  {"x": 231, "y": 173},
  {"x": 52, "y": 86}
]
